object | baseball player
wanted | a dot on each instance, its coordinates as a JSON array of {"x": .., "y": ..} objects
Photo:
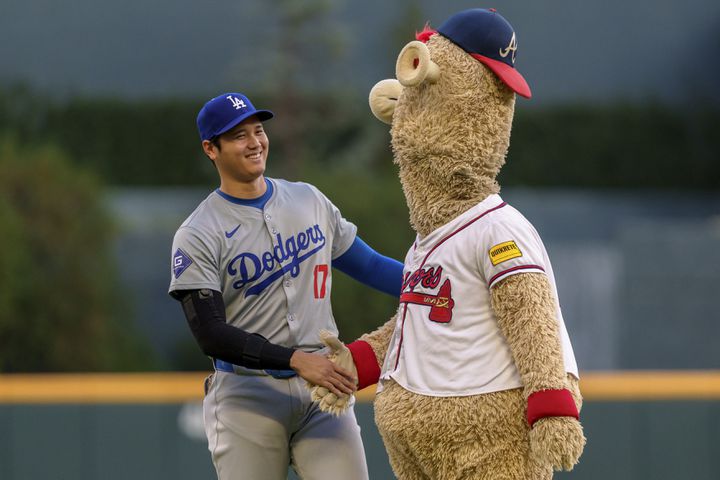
[{"x": 252, "y": 269}]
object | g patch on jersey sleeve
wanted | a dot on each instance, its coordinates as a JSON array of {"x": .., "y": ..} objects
[
  {"x": 503, "y": 252},
  {"x": 181, "y": 261}
]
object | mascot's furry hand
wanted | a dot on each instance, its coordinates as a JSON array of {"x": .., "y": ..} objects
[
  {"x": 558, "y": 441},
  {"x": 340, "y": 355}
]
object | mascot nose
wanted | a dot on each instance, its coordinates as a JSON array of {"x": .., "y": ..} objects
[
  {"x": 383, "y": 98},
  {"x": 414, "y": 65}
]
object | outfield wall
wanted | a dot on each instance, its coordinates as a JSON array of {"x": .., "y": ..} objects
[{"x": 640, "y": 425}]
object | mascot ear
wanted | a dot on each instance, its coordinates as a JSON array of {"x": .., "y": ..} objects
[{"x": 414, "y": 66}]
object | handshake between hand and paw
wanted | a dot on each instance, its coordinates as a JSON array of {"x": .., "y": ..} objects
[{"x": 338, "y": 401}]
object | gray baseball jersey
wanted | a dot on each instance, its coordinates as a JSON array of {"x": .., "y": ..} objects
[{"x": 273, "y": 266}]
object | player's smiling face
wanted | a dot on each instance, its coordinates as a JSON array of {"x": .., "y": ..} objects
[{"x": 243, "y": 151}]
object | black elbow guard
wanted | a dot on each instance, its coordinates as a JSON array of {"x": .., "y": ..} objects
[
  {"x": 205, "y": 312},
  {"x": 253, "y": 350},
  {"x": 260, "y": 353}
]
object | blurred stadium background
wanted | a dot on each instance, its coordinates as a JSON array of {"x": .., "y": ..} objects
[{"x": 616, "y": 161}]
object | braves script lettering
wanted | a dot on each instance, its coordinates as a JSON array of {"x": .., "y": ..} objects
[
  {"x": 286, "y": 256},
  {"x": 428, "y": 277}
]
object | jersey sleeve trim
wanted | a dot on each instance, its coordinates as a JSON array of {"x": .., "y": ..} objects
[{"x": 513, "y": 271}]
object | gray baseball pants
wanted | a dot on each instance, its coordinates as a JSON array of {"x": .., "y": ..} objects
[{"x": 258, "y": 425}]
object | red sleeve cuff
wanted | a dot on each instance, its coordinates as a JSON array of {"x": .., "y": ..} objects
[
  {"x": 550, "y": 403},
  {"x": 365, "y": 362}
]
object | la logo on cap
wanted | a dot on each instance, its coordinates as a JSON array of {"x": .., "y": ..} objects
[{"x": 236, "y": 102}]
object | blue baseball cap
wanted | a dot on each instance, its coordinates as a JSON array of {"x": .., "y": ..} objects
[
  {"x": 225, "y": 111},
  {"x": 490, "y": 39}
]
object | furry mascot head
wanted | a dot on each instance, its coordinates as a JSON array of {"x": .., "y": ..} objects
[{"x": 451, "y": 112}]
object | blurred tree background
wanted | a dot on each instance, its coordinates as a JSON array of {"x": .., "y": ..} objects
[
  {"x": 61, "y": 307},
  {"x": 155, "y": 142}
]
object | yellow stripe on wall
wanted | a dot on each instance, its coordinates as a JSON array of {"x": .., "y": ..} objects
[
  {"x": 185, "y": 387},
  {"x": 651, "y": 385},
  {"x": 101, "y": 388}
]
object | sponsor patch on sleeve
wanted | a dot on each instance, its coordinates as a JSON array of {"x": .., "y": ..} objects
[
  {"x": 181, "y": 261},
  {"x": 503, "y": 252}
]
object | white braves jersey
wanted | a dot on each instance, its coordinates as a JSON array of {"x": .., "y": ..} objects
[
  {"x": 446, "y": 340},
  {"x": 273, "y": 266}
]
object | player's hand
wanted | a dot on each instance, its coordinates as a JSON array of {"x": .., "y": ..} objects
[
  {"x": 329, "y": 401},
  {"x": 558, "y": 441},
  {"x": 319, "y": 370}
]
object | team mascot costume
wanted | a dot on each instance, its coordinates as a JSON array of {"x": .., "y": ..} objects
[{"x": 476, "y": 374}]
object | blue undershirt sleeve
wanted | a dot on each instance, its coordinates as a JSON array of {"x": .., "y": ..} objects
[{"x": 369, "y": 267}]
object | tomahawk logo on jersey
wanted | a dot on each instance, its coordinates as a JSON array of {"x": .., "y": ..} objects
[{"x": 441, "y": 304}]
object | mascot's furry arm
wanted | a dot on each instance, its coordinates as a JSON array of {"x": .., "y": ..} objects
[{"x": 526, "y": 313}]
